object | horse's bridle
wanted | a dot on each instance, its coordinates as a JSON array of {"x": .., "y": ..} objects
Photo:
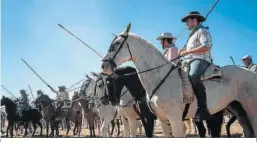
[
  {"x": 111, "y": 60},
  {"x": 105, "y": 97}
]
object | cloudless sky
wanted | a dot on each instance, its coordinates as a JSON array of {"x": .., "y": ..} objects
[{"x": 30, "y": 31}]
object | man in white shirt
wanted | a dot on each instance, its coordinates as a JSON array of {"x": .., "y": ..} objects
[
  {"x": 62, "y": 97},
  {"x": 248, "y": 62},
  {"x": 197, "y": 54}
]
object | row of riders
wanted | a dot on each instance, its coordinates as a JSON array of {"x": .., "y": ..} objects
[{"x": 196, "y": 53}]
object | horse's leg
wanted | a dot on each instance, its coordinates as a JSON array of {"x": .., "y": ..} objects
[
  {"x": 133, "y": 126},
  {"x": 41, "y": 127},
  {"x": 215, "y": 123},
  {"x": 67, "y": 121},
  {"x": 118, "y": 126},
  {"x": 188, "y": 126},
  {"x": 125, "y": 127},
  {"x": 113, "y": 126},
  {"x": 56, "y": 125},
  {"x": 178, "y": 127},
  {"x": 7, "y": 130},
  {"x": 47, "y": 128},
  {"x": 230, "y": 122},
  {"x": 26, "y": 128},
  {"x": 79, "y": 129},
  {"x": 90, "y": 130},
  {"x": 11, "y": 129},
  {"x": 74, "y": 129},
  {"x": 147, "y": 119},
  {"x": 35, "y": 127},
  {"x": 105, "y": 128},
  {"x": 166, "y": 129},
  {"x": 93, "y": 129},
  {"x": 52, "y": 126},
  {"x": 139, "y": 125},
  {"x": 201, "y": 129},
  {"x": 236, "y": 108}
]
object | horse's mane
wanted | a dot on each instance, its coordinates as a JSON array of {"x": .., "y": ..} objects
[
  {"x": 139, "y": 38},
  {"x": 124, "y": 70}
]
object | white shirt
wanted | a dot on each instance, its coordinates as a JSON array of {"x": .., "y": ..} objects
[
  {"x": 199, "y": 38},
  {"x": 63, "y": 95},
  {"x": 253, "y": 67}
]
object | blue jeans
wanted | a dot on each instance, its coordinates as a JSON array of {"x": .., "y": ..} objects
[{"x": 196, "y": 70}]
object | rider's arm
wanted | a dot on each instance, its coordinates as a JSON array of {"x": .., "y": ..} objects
[
  {"x": 53, "y": 90},
  {"x": 254, "y": 68},
  {"x": 204, "y": 39}
]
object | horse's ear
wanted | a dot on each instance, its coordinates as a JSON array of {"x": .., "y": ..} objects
[
  {"x": 127, "y": 29},
  {"x": 95, "y": 74},
  {"x": 87, "y": 76},
  {"x": 115, "y": 35}
]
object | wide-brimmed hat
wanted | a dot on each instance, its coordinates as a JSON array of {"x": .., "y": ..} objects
[
  {"x": 167, "y": 35},
  {"x": 22, "y": 91},
  {"x": 246, "y": 57},
  {"x": 194, "y": 14},
  {"x": 39, "y": 92},
  {"x": 62, "y": 87}
]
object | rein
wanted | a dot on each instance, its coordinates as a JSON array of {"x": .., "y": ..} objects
[{"x": 121, "y": 46}]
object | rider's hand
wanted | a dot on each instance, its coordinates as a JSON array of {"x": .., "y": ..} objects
[
  {"x": 183, "y": 53},
  {"x": 180, "y": 50}
]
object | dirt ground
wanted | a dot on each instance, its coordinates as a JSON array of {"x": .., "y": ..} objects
[{"x": 235, "y": 129}]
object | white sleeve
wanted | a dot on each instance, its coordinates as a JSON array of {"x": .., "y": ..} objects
[
  {"x": 205, "y": 37},
  {"x": 254, "y": 68}
]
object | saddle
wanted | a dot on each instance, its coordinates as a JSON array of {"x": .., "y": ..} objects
[{"x": 212, "y": 71}]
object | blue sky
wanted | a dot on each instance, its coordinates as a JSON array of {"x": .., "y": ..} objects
[{"x": 30, "y": 31}]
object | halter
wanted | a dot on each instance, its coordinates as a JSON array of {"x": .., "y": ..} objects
[
  {"x": 105, "y": 97},
  {"x": 111, "y": 60}
]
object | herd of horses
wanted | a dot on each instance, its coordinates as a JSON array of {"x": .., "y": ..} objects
[
  {"x": 122, "y": 98},
  {"x": 139, "y": 96}
]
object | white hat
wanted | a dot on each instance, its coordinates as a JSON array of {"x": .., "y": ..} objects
[
  {"x": 247, "y": 57},
  {"x": 166, "y": 35}
]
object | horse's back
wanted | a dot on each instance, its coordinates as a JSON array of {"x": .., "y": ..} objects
[{"x": 239, "y": 73}]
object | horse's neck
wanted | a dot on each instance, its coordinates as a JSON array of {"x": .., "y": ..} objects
[
  {"x": 90, "y": 89},
  {"x": 147, "y": 57},
  {"x": 84, "y": 104}
]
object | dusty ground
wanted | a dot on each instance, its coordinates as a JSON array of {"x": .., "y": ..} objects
[{"x": 236, "y": 131}]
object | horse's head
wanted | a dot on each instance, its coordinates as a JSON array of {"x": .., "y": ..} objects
[
  {"x": 3, "y": 101},
  {"x": 105, "y": 89},
  {"x": 87, "y": 87},
  {"x": 118, "y": 53},
  {"x": 75, "y": 98}
]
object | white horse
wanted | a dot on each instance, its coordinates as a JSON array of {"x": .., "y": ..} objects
[
  {"x": 127, "y": 111},
  {"x": 236, "y": 83},
  {"x": 128, "y": 115},
  {"x": 105, "y": 112},
  {"x": 124, "y": 110}
]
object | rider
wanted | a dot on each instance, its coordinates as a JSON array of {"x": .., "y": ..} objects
[
  {"x": 62, "y": 97},
  {"x": 197, "y": 53},
  {"x": 248, "y": 62},
  {"x": 170, "y": 49},
  {"x": 23, "y": 102}
]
